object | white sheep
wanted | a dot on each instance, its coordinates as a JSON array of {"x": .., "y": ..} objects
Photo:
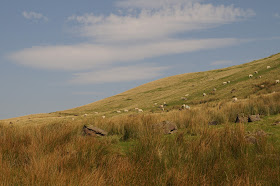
[
  {"x": 187, "y": 95},
  {"x": 85, "y": 115},
  {"x": 140, "y": 110},
  {"x": 136, "y": 108},
  {"x": 188, "y": 107},
  {"x": 95, "y": 112},
  {"x": 234, "y": 99},
  {"x": 260, "y": 77},
  {"x": 250, "y": 75},
  {"x": 155, "y": 104},
  {"x": 277, "y": 81},
  {"x": 73, "y": 119},
  {"x": 204, "y": 94},
  {"x": 103, "y": 117},
  {"x": 118, "y": 111},
  {"x": 268, "y": 67},
  {"x": 161, "y": 106},
  {"x": 224, "y": 83},
  {"x": 164, "y": 103},
  {"x": 125, "y": 110},
  {"x": 183, "y": 98},
  {"x": 214, "y": 89},
  {"x": 256, "y": 72},
  {"x": 262, "y": 86},
  {"x": 228, "y": 82}
]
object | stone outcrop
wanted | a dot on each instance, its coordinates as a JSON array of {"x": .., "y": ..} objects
[
  {"x": 94, "y": 131},
  {"x": 166, "y": 127},
  {"x": 253, "y": 118},
  {"x": 213, "y": 123}
]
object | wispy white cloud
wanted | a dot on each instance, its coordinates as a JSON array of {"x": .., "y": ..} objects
[
  {"x": 34, "y": 16},
  {"x": 152, "y": 3},
  {"x": 277, "y": 15},
  {"x": 221, "y": 62},
  {"x": 143, "y": 29},
  {"x": 156, "y": 24},
  {"x": 87, "y": 93},
  {"x": 118, "y": 74},
  {"x": 88, "y": 56}
]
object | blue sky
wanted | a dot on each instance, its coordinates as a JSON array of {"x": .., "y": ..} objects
[{"x": 56, "y": 55}]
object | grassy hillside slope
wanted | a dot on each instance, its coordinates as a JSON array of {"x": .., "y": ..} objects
[
  {"x": 172, "y": 89},
  {"x": 52, "y": 149}
]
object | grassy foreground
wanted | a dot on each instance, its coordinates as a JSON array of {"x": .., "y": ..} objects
[{"x": 57, "y": 153}]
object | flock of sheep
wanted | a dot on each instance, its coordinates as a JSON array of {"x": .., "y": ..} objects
[
  {"x": 250, "y": 76},
  {"x": 184, "y": 106}
]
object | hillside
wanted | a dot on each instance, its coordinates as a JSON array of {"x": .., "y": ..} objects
[
  {"x": 172, "y": 89},
  {"x": 203, "y": 145}
]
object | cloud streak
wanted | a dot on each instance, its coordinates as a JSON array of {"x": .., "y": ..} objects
[
  {"x": 34, "y": 16},
  {"x": 152, "y": 4},
  {"x": 119, "y": 74},
  {"x": 221, "y": 62},
  {"x": 277, "y": 15},
  {"x": 151, "y": 24},
  {"x": 144, "y": 30},
  {"x": 89, "y": 56}
]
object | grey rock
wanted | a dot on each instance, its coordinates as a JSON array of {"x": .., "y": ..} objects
[
  {"x": 94, "y": 131},
  {"x": 241, "y": 119},
  {"x": 252, "y": 118},
  {"x": 167, "y": 127},
  {"x": 213, "y": 123}
]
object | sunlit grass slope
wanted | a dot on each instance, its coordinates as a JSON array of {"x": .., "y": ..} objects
[{"x": 172, "y": 89}]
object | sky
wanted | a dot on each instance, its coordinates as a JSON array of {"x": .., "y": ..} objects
[{"x": 57, "y": 55}]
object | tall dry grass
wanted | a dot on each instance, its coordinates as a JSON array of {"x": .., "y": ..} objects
[{"x": 133, "y": 154}]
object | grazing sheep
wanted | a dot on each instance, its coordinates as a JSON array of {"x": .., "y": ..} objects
[
  {"x": 155, "y": 104},
  {"x": 256, "y": 72},
  {"x": 228, "y": 82},
  {"x": 85, "y": 115},
  {"x": 262, "y": 86},
  {"x": 161, "y": 106},
  {"x": 250, "y": 75},
  {"x": 125, "y": 110},
  {"x": 140, "y": 110},
  {"x": 214, "y": 89},
  {"x": 103, "y": 117},
  {"x": 260, "y": 77},
  {"x": 204, "y": 94},
  {"x": 118, "y": 111},
  {"x": 95, "y": 112},
  {"x": 184, "y": 106},
  {"x": 277, "y": 81},
  {"x": 73, "y": 119},
  {"x": 224, "y": 83},
  {"x": 234, "y": 99},
  {"x": 136, "y": 108},
  {"x": 268, "y": 67},
  {"x": 164, "y": 104},
  {"x": 162, "y": 109},
  {"x": 187, "y": 95},
  {"x": 183, "y": 98}
]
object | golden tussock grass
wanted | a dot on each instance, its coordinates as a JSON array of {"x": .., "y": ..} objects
[{"x": 57, "y": 153}]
